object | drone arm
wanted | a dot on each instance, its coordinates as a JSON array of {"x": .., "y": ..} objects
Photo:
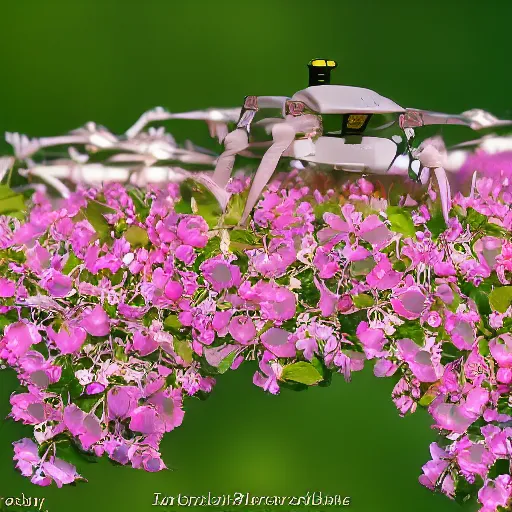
[
  {"x": 475, "y": 119},
  {"x": 444, "y": 191},
  {"x": 413, "y": 118},
  {"x": 283, "y": 135},
  {"x": 234, "y": 143},
  {"x": 157, "y": 114}
]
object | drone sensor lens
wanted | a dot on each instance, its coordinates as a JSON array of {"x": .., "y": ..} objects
[{"x": 356, "y": 121}]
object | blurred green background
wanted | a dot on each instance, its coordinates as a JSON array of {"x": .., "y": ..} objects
[{"x": 67, "y": 62}]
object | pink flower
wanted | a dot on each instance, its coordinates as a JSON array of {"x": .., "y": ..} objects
[
  {"x": 270, "y": 373},
  {"x": 382, "y": 276},
  {"x": 328, "y": 300},
  {"x": 495, "y": 493},
  {"x": 434, "y": 469},
  {"x": 487, "y": 249},
  {"x": 473, "y": 458},
  {"x": 501, "y": 350},
  {"x": 460, "y": 326},
  {"x": 122, "y": 401},
  {"x": 169, "y": 407},
  {"x": 384, "y": 368},
  {"x": 373, "y": 340},
  {"x": 144, "y": 344},
  {"x": 308, "y": 345},
  {"x": 86, "y": 427},
  {"x": 186, "y": 254},
  {"x": 220, "y": 273},
  {"x": 7, "y": 288},
  {"x": 131, "y": 312},
  {"x": 173, "y": 290},
  {"x": 60, "y": 471},
  {"x": 95, "y": 321},
  {"x": 26, "y": 455},
  {"x": 242, "y": 329},
  {"x": 409, "y": 301},
  {"x": 419, "y": 361},
  {"x": 17, "y": 340},
  {"x": 56, "y": 283},
  {"x": 276, "y": 302},
  {"x": 146, "y": 420},
  {"x": 221, "y": 321},
  {"x": 192, "y": 231},
  {"x": 326, "y": 262},
  {"x": 497, "y": 440},
  {"x": 68, "y": 339},
  {"x": 458, "y": 417},
  {"x": 277, "y": 341},
  {"x": 30, "y": 408},
  {"x": 274, "y": 261},
  {"x": 146, "y": 457},
  {"x": 434, "y": 319},
  {"x": 374, "y": 231}
]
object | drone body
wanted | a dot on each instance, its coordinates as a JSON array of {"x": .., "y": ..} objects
[{"x": 338, "y": 127}]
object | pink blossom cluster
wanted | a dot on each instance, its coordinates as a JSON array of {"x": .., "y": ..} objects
[{"x": 120, "y": 304}]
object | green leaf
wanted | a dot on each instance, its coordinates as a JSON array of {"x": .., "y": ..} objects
[
  {"x": 323, "y": 371},
  {"x": 70, "y": 452},
  {"x": 226, "y": 363},
  {"x": 436, "y": 225},
  {"x": 308, "y": 292},
  {"x": 10, "y": 201},
  {"x": 500, "y": 467},
  {"x": 350, "y": 322},
  {"x": 362, "y": 267},
  {"x": 481, "y": 299},
  {"x": 94, "y": 212},
  {"x": 71, "y": 263},
  {"x": 8, "y": 318},
  {"x": 501, "y": 298},
  {"x": 396, "y": 191},
  {"x": 86, "y": 403},
  {"x": 464, "y": 491},
  {"x": 242, "y": 240},
  {"x": 141, "y": 208},
  {"x": 136, "y": 236},
  {"x": 410, "y": 329},
  {"x": 221, "y": 358},
  {"x": 475, "y": 220},
  {"x": 235, "y": 209},
  {"x": 362, "y": 300},
  {"x": 427, "y": 399},
  {"x": 483, "y": 347},
  {"x": 492, "y": 229},
  {"x": 184, "y": 350},
  {"x": 68, "y": 383},
  {"x": 326, "y": 207},
  {"x": 429, "y": 395},
  {"x": 119, "y": 353},
  {"x": 302, "y": 372},
  {"x": 205, "y": 202},
  {"x": 172, "y": 323},
  {"x": 211, "y": 249},
  {"x": 401, "y": 220}
]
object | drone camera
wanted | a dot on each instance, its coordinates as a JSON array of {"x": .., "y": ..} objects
[{"x": 320, "y": 71}]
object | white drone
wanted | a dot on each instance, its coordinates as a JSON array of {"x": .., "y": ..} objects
[
  {"x": 138, "y": 156},
  {"x": 340, "y": 128}
]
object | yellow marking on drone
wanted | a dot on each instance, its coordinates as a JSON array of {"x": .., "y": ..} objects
[
  {"x": 331, "y": 63},
  {"x": 356, "y": 122},
  {"x": 318, "y": 63}
]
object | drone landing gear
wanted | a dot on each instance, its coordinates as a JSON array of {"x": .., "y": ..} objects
[
  {"x": 283, "y": 135},
  {"x": 234, "y": 143}
]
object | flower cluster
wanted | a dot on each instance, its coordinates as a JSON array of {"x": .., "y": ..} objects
[{"x": 119, "y": 304}]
